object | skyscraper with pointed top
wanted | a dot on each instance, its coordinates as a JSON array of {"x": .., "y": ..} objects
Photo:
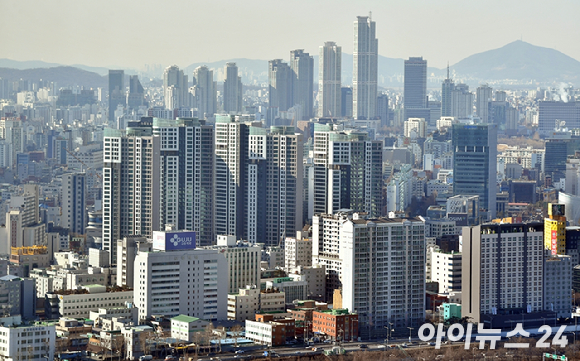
[
  {"x": 446, "y": 95},
  {"x": 365, "y": 55}
]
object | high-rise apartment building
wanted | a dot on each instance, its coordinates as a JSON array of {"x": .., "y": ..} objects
[
  {"x": 502, "y": 277},
  {"x": 231, "y": 167},
  {"x": 187, "y": 175},
  {"x": 74, "y": 202},
  {"x": 175, "y": 88},
  {"x": 131, "y": 184},
  {"x": 364, "y": 76},
  {"x": 116, "y": 91},
  {"x": 347, "y": 172},
  {"x": 280, "y": 96},
  {"x": 461, "y": 101},
  {"x": 483, "y": 100},
  {"x": 474, "y": 163},
  {"x": 377, "y": 263},
  {"x": 274, "y": 184},
  {"x": 302, "y": 65},
  {"x": 329, "y": 93},
  {"x": 232, "y": 96},
  {"x": 204, "y": 92}
]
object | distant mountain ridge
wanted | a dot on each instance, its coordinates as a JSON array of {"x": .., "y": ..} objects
[
  {"x": 517, "y": 60},
  {"x": 62, "y": 75}
]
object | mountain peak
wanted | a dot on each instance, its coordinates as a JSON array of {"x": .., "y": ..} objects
[{"x": 521, "y": 61}]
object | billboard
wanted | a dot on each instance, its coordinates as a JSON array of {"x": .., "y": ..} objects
[
  {"x": 556, "y": 209},
  {"x": 173, "y": 241},
  {"x": 554, "y": 247}
]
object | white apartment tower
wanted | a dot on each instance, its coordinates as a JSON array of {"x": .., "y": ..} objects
[
  {"x": 274, "y": 185},
  {"x": 364, "y": 76},
  {"x": 347, "y": 172},
  {"x": 377, "y": 263},
  {"x": 131, "y": 185},
  {"x": 186, "y": 159},
  {"x": 329, "y": 93},
  {"x": 175, "y": 88},
  {"x": 502, "y": 271},
  {"x": 74, "y": 202},
  {"x": 231, "y": 159},
  {"x": 204, "y": 92}
]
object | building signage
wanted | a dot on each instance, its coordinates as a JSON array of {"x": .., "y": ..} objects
[{"x": 174, "y": 241}]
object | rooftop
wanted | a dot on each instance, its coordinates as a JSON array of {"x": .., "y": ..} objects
[{"x": 184, "y": 318}]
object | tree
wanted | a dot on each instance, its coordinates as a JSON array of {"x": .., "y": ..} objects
[
  {"x": 236, "y": 331},
  {"x": 144, "y": 338}
]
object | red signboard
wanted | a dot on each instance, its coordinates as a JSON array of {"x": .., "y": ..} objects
[{"x": 554, "y": 243}]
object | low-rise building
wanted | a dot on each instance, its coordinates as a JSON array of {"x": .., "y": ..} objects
[
  {"x": 34, "y": 342},
  {"x": 250, "y": 300},
  {"x": 183, "y": 327},
  {"x": 268, "y": 331},
  {"x": 293, "y": 290},
  {"x": 72, "y": 333},
  {"x": 80, "y": 303},
  {"x": 339, "y": 324},
  {"x": 315, "y": 277},
  {"x": 451, "y": 311}
]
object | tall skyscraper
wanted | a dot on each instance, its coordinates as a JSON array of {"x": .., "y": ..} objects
[
  {"x": 446, "y": 96},
  {"x": 74, "y": 202},
  {"x": 280, "y": 97},
  {"x": 482, "y": 102},
  {"x": 274, "y": 187},
  {"x": 347, "y": 172},
  {"x": 204, "y": 92},
  {"x": 415, "y": 92},
  {"x": 329, "y": 94},
  {"x": 232, "y": 96},
  {"x": 131, "y": 184},
  {"x": 383, "y": 109},
  {"x": 187, "y": 175},
  {"x": 136, "y": 95},
  {"x": 364, "y": 76},
  {"x": 231, "y": 166},
  {"x": 302, "y": 65},
  {"x": 116, "y": 91},
  {"x": 475, "y": 163},
  {"x": 175, "y": 88}
]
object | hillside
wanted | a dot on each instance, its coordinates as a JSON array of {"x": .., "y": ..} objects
[
  {"x": 522, "y": 61},
  {"x": 63, "y": 75}
]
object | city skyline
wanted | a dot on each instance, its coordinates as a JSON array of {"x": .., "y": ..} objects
[{"x": 430, "y": 40}]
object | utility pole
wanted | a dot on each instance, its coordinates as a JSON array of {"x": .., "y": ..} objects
[{"x": 410, "y": 331}]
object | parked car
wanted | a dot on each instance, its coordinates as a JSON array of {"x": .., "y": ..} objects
[
  {"x": 240, "y": 351},
  {"x": 362, "y": 345}
]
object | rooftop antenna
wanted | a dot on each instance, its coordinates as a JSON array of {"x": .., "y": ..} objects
[
  {"x": 448, "y": 70},
  {"x": 370, "y": 15}
]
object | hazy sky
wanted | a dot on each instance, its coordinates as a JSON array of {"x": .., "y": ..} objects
[{"x": 131, "y": 33}]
